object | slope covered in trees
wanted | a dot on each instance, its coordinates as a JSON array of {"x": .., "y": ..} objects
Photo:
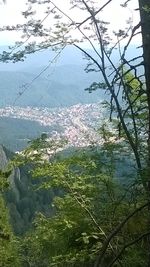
[{"x": 50, "y": 90}]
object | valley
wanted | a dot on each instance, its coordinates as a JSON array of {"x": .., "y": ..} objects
[
  {"x": 54, "y": 101},
  {"x": 78, "y": 124}
]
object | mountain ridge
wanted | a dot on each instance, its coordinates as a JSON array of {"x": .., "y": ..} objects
[{"x": 47, "y": 90}]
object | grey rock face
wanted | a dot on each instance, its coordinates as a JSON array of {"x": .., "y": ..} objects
[{"x": 3, "y": 158}]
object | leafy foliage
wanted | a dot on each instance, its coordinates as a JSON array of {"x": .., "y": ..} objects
[
  {"x": 88, "y": 198},
  {"x": 9, "y": 255}
]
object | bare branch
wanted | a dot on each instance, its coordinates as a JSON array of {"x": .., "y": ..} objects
[
  {"x": 115, "y": 232},
  {"x": 100, "y": 9},
  {"x": 127, "y": 246}
]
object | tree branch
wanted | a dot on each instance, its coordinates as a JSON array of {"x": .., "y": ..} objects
[
  {"x": 114, "y": 232},
  {"x": 128, "y": 245}
]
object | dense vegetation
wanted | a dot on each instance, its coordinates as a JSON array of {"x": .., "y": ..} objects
[
  {"x": 91, "y": 195},
  {"x": 80, "y": 191}
]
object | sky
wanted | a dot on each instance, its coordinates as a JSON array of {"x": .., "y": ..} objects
[{"x": 10, "y": 14}]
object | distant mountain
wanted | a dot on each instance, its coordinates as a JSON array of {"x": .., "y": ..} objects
[
  {"x": 62, "y": 86},
  {"x": 69, "y": 55},
  {"x": 61, "y": 83}
]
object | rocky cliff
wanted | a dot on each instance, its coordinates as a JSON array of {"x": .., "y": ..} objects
[{"x": 22, "y": 198}]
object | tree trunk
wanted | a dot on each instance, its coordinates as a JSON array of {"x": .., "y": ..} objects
[{"x": 144, "y": 6}]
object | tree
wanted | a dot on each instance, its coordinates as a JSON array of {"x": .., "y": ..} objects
[
  {"x": 144, "y": 7},
  {"x": 132, "y": 118},
  {"x": 89, "y": 198},
  {"x": 9, "y": 255}
]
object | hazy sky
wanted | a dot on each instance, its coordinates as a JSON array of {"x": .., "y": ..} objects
[{"x": 10, "y": 13}]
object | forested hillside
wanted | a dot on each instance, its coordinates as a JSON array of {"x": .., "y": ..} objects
[
  {"x": 18, "y": 88},
  {"x": 16, "y": 133}
]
